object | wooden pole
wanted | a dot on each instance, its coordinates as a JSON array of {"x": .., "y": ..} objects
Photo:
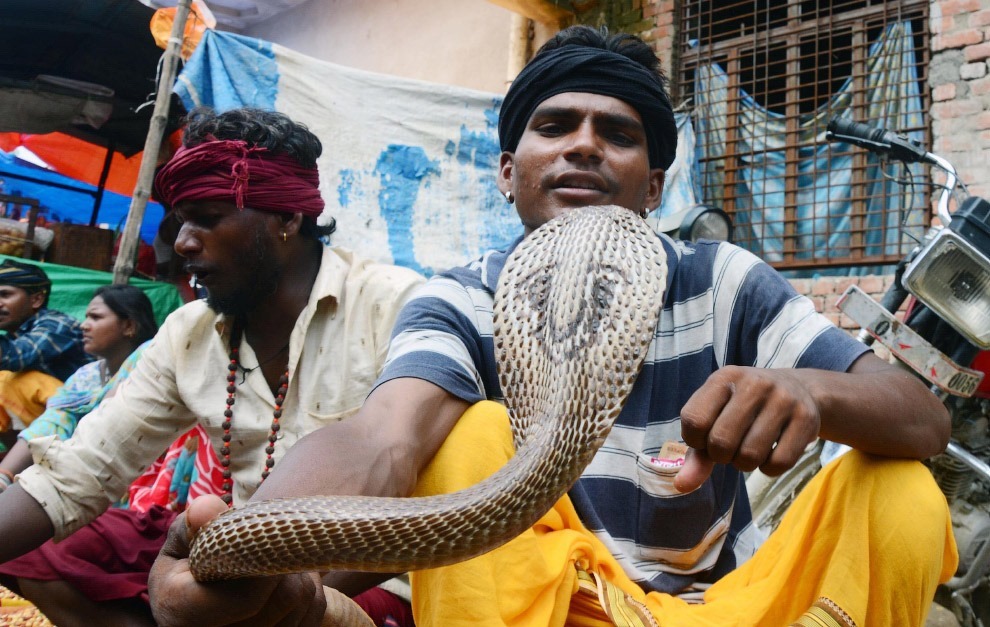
[
  {"x": 123, "y": 267},
  {"x": 518, "y": 46},
  {"x": 102, "y": 185}
]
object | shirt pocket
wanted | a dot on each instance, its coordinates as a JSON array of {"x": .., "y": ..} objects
[{"x": 673, "y": 527}]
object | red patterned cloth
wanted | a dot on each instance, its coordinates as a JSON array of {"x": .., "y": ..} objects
[
  {"x": 385, "y": 609},
  {"x": 188, "y": 469}
]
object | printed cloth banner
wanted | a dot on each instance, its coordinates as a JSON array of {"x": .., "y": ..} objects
[{"x": 408, "y": 167}]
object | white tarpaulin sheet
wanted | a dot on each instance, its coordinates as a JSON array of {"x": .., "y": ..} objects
[{"x": 408, "y": 167}]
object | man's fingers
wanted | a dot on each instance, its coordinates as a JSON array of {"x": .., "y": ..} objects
[
  {"x": 185, "y": 526},
  {"x": 177, "y": 541},
  {"x": 202, "y": 510},
  {"x": 758, "y": 441},
  {"x": 702, "y": 410},
  {"x": 177, "y": 599},
  {"x": 696, "y": 469},
  {"x": 727, "y": 436},
  {"x": 291, "y": 603},
  {"x": 791, "y": 446}
]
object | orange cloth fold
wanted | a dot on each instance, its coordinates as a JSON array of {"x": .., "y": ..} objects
[
  {"x": 869, "y": 536},
  {"x": 24, "y": 394}
]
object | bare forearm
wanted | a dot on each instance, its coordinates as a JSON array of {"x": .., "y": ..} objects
[
  {"x": 881, "y": 409},
  {"x": 377, "y": 452},
  {"x": 338, "y": 459},
  {"x": 18, "y": 459},
  {"x": 24, "y": 525}
]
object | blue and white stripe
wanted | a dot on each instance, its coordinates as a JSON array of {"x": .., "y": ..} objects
[{"x": 723, "y": 307}]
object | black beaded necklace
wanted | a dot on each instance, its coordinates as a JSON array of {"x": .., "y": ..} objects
[{"x": 228, "y": 415}]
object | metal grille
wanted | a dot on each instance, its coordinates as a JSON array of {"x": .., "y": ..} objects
[{"x": 791, "y": 58}]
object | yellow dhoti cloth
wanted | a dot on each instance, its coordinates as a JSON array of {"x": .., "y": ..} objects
[
  {"x": 865, "y": 544},
  {"x": 23, "y": 396}
]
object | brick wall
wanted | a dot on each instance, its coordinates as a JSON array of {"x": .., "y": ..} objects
[
  {"x": 959, "y": 80},
  {"x": 651, "y": 20},
  {"x": 959, "y": 77},
  {"x": 824, "y": 292}
]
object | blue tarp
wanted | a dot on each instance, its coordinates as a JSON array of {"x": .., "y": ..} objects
[{"x": 76, "y": 207}]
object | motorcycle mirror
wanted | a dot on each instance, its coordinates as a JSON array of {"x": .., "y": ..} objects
[{"x": 697, "y": 222}]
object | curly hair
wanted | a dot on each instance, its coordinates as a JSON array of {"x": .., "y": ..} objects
[{"x": 269, "y": 129}]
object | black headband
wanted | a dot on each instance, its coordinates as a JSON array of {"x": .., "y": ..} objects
[
  {"x": 594, "y": 71},
  {"x": 26, "y": 276}
]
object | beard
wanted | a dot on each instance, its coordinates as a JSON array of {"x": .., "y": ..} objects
[{"x": 262, "y": 276}]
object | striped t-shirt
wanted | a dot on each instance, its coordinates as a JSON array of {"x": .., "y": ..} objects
[{"x": 723, "y": 306}]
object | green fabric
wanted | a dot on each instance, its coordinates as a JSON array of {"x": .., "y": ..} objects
[{"x": 72, "y": 289}]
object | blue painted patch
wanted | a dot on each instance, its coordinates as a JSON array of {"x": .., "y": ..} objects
[
  {"x": 491, "y": 115},
  {"x": 230, "y": 71},
  {"x": 402, "y": 170},
  {"x": 347, "y": 178},
  {"x": 481, "y": 150},
  {"x": 478, "y": 149}
]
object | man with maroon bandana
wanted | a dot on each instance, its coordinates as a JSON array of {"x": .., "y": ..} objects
[{"x": 291, "y": 337}]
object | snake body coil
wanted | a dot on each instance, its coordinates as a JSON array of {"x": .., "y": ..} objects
[{"x": 576, "y": 307}]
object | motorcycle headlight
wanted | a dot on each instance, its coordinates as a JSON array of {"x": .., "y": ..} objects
[
  {"x": 951, "y": 274},
  {"x": 698, "y": 222}
]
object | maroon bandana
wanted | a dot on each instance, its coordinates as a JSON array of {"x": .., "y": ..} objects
[{"x": 231, "y": 171}]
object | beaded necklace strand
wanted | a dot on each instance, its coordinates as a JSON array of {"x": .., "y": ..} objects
[{"x": 228, "y": 415}]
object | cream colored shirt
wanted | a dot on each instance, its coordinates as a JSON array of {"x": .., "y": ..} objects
[{"x": 336, "y": 351}]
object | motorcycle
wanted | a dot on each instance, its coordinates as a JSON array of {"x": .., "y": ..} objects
[{"x": 944, "y": 338}]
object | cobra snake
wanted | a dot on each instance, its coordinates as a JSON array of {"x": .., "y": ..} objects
[{"x": 576, "y": 308}]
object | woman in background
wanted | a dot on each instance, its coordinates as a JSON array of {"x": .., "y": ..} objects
[{"x": 98, "y": 576}]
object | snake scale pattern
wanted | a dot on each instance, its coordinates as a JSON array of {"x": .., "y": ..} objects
[{"x": 576, "y": 307}]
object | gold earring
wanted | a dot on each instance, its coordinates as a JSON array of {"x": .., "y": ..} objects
[{"x": 285, "y": 238}]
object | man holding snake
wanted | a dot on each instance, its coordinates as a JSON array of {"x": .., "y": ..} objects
[
  {"x": 291, "y": 337},
  {"x": 742, "y": 374}
]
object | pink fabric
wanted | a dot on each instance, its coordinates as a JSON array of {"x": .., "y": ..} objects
[
  {"x": 248, "y": 176},
  {"x": 385, "y": 609}
]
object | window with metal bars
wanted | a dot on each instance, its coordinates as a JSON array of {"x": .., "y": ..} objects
[{"x": 762, "y": 78}]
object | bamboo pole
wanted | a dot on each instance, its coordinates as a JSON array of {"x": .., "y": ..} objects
[{"x": 123, "y": 267}]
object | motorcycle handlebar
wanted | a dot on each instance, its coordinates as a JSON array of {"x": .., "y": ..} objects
[
  {"x": 888, "y": 144},
  {"x": 878, "y": 140}
]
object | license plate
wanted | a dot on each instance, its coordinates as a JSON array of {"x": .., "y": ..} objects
[{"x": 909, "y": 347}]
